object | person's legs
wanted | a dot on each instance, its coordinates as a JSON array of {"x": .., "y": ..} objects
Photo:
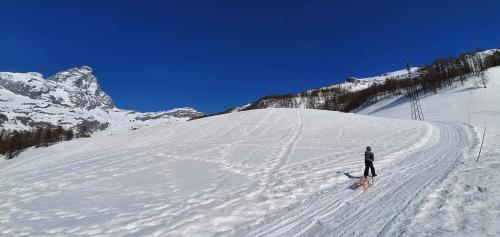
[
  {"x": 372, "y": 168},
  {"x": 367, "y": 166}
]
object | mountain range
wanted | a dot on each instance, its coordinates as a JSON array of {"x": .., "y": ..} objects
[{"x": 73, "y": 99}]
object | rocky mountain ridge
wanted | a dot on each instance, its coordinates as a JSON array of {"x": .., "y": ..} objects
[{"x": 73, "y": 99}]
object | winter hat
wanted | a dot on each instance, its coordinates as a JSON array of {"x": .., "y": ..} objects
[{"x": 368, "y": 148}]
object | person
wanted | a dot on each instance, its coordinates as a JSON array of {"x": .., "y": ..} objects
[{"x": 369, "y": 158}]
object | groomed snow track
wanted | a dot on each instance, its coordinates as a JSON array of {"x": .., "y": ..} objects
[{"x": 384, "y": 209}]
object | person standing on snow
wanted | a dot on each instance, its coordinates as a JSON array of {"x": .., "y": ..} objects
[{"x": 369, "y": 158}]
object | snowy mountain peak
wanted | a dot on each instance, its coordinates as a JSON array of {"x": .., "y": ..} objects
[
  {"x": 81, "y": 77},
  {"x": 36, "y": 74},
  {"x": 185, "y": 109},
  {"x": 70, "y": 98},
  {"x": 84, "y": 92}
]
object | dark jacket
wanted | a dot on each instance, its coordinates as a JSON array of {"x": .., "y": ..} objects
[{"x": 369, "y": 156}]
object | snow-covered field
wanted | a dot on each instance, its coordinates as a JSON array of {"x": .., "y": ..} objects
[
  {"x": 271, "y": 172},
  {"x": 467, "y": 203}
]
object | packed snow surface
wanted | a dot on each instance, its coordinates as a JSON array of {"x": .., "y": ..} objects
[
  {"x": 266, "y": 172},
  {"x": 467, "y": 202},
  {"x": 271, "y": 172}
]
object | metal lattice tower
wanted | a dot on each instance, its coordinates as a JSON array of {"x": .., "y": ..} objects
[{"x": 415, "y": 108}]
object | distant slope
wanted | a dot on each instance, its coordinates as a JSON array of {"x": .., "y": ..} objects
[
  {"x": 465, "y": 204},
  {"x": 354, "y": 92},
  {"x": 71, "y": 98},
  {"x": 319, "y": 98}
]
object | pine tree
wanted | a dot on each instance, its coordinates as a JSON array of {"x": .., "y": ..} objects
[
  {"x": 69, "y": 135},
  {"x": 2, "y": 142}
]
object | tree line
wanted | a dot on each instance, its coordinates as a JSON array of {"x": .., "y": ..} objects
[
  {"x": 13, "y": 142},
  {"x": 441, "y": 73},
  {"x": 431, "y": 78}
]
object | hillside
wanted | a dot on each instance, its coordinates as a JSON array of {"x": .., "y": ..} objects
[
  {"x": 277, "y": 172},
  {"x": 72, "y": 99},
  {"x": 466, "y": 203},
  {"x": 272, "y": 172},
  {"x": 356, "y": 92},
  {"x": 319, "y": 98}
]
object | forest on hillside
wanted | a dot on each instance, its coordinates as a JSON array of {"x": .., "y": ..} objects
[
  {"x": 441, "y": 73},
  {"x": 13, "y": 142}
]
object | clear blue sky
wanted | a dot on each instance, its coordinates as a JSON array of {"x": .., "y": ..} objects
[{"x": 212, "y": 55}]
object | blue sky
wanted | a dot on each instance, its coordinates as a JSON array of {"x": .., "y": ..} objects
[{"x": 212, "y": 55}]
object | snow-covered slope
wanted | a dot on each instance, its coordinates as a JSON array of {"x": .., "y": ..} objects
[
  {"x": 326, "y": 97},
  {"x": 467, "y": 203},
  {"x": 357, "y": 84},
  {"x": 318, "y": 98},
  {"x": 70, "y": 98},
  {"x": 271, "y": 172}
]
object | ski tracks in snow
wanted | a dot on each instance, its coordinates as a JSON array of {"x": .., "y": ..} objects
[
  {"x": 276, "y": 172},
  {"x": 289, "y": 146},
  {"x": 396, "y": 195}
]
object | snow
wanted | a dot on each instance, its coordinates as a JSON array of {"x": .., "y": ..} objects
[
  {"x": 52, "y": 100},
  {"x": 488, "y": 52},
  {"x": 270, "y": 172},
  {"x": 316, "y": 98},
  {"x": 357, "y": 84},
  {"x": 261, "y": 172},
  {"x": 467, "y": 202},
  {"x": 199, "y": 178}
]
